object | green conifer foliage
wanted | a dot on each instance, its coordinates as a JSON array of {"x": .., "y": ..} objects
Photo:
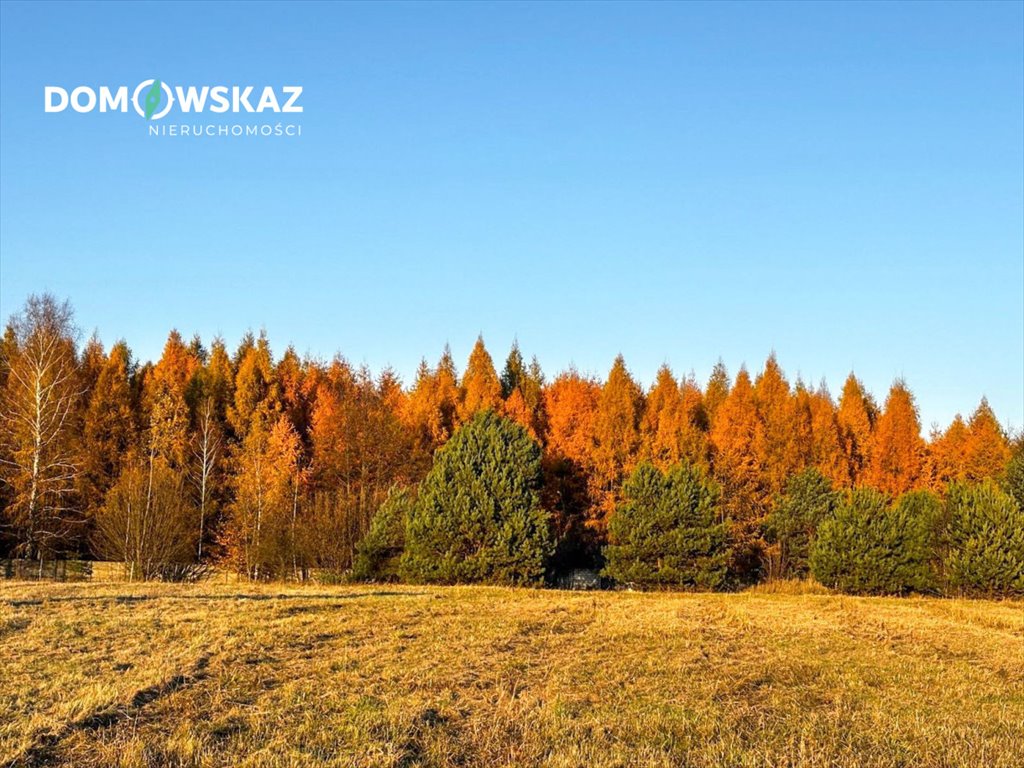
[
  {"x": 378, "y": 554},
  {"x": 478, "y": 517},
  {"x": 870, "y": 546},
  {"x": 667, "y": 531},
  {"x": 984, "y": 553},
  {"x": 790, "y": 528}
]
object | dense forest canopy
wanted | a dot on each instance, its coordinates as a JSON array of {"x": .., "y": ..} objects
[{"x": 275, "y": 464}]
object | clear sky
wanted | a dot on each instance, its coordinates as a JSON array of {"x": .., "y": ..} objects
[{"x": 843, "y": 184}]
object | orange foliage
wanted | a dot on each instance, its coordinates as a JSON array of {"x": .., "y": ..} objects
[
  {"x": 345, "y": 438},
  {"x": 782, "y": 439},
  {"x": 827, "y": 454},
  {"x": 734, "y": 441},
  {"x": 481, "y": 389},
  {"x": 516, "y": 408},
  {"x": 856, "y": 417},
  {"x": 897, "y": 451},
  {"x": 570, "y": 403},
  {"x": 987, "y": 451},
  {"x": 167, "y": 392},
  {"x": 674, "y": 425},
  {"x": 948, "y": 453},
  {"x": 431, "y": 410},
  {"x": 616, "y": 435}
]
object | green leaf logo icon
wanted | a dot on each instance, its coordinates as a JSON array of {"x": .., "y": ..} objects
[{"x": 153, "y": 99}]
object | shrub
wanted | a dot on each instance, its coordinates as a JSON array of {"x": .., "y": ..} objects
[
  {"x": 791, "y": 526},
  {"x": 667, "y": 531},
  {"x": 148, "y": 523},
  {"x": 984, "y": 552},
  {"x": 478, "y": 517},
  {"x": 379, "y": 552},
  {"x": 1013, "y": 482},
  {"x": 869, "y": 546}
]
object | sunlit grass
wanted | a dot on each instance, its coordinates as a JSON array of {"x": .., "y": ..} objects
[{"x": 219, "y": 674}]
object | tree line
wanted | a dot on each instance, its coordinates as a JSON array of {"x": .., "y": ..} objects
[{"x": 276, "y": 466}]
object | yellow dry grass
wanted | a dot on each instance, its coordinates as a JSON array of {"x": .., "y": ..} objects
[{"x": 231, "y": 675}]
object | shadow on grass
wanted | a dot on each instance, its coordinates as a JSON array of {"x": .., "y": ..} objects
[{"x": 128, "y": 599}]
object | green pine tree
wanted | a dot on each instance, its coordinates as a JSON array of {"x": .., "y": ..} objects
[
  {"x": 870, "y": 546},
  {"x": 478, "y": 517},
  {"x": 378, "y": 553},
  {"x": 667, "y": 531},
  {"x": 791, "y": 526},
  {"x": 984, "y": 552}
]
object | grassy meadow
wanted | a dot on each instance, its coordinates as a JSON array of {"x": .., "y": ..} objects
[{"x": 236, "y": 675}]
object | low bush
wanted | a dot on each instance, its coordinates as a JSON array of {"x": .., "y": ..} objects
[
  {"x": 870, "y": 546},
  {"x": 668, "y": 531},
  {"x": 793, "y": 522},
  {"x": 379, "y": 552},
  {"x": 984, "y": 541}
]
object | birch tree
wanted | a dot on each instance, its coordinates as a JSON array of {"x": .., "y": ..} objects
[
  {"x": 37, "y": 415},
  {"x": 206, "y": 449}
]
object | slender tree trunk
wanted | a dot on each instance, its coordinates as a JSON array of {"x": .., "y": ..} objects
[{"x": 295, "y": 507}]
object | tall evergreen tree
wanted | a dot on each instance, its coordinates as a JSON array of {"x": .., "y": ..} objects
[
  {"x": 984, "y": 541},
  {"x": 514, "y": 373},
  {"x": 667, "y": 531},
  {"x": 793, "y": 522},
  {"x": 478, "y": 516},
  {"x": 870, "y": 546}
]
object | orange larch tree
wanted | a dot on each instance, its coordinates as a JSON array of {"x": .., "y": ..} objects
[
  {"x": 258, "y": 535},
  {"x": 987, "y": 451},
  {"x": 947, "y": 453},
  {"x": 110, "y": 431},
  {"x": 856, "y": 416},
  {"x": 696, "y": 448},
  {"x": 257, "y": 393},
  {"x": 674, "y": 426},
  {"x": 169, "y": 392},
  {"x": 297, "y": 390},
  {"x": 716, "y": 391},
  {"x": 481, "y": 388},
  {"x": 782, "y": 438},
  {"x": 827, "y": 454},
  {"x": 897, "y": 449},
  {"x": 734, "y": 436},
  {"x": 617, "y": 437},
  {"x": 218, "y": 379},
  {"x": 571, "y": 403},
  {"x": 431, "y": 411},
  {"x": 662, "y": 420}
]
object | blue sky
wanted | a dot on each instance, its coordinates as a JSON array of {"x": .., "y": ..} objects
[{"x": 843, "y": 184}]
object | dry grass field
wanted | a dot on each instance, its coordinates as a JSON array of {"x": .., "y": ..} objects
[{"x": 231, "y": 675}]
